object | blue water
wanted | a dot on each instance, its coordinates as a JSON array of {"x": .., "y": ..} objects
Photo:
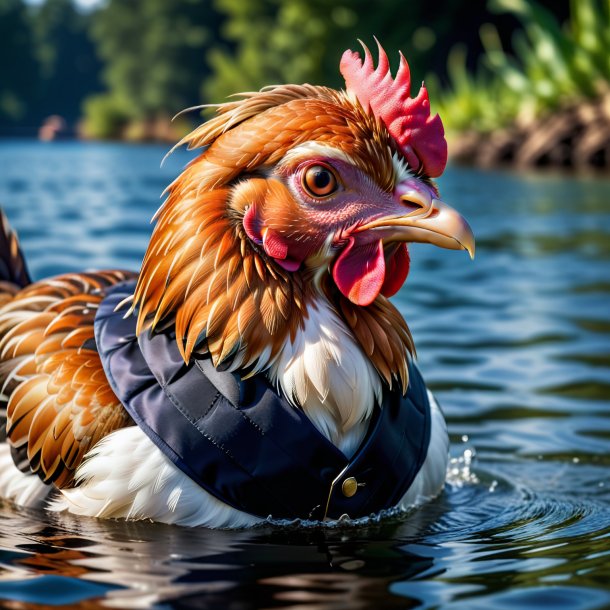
[{"x": 515, "y": 344}]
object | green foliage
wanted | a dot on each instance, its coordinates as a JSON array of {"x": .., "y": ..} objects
[
  {"x": 47, "y": 62},
  {"x": 296, "y": 41},
  {"x": 153, "y": 55},
  {"x": 68, "y": 65},
  {"x": 18, "y": 68},
  {"x": 275, "y": 43},
  {"x": 552, "y": 66},
  {"x": 154, "y": 58},
  {"x": 107, "y": 117},
  {"x": 475, "y": 101}
]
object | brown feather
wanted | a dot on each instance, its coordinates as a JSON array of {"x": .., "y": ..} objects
[
  {"x": 204, "y": 275},
  {"x": 384, "y": 336},
  {"x": 60, "y": 405}
]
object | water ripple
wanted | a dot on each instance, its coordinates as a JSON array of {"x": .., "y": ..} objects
[{"x": 514, "y": 344}]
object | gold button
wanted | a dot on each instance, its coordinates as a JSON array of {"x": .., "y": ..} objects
[{"x": 349, "y": 487}]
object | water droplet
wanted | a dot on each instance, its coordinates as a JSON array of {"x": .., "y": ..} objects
[{"x": 458, "y": 472}]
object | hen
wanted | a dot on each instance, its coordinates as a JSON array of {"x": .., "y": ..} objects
[{"x": 255, "y": 366}]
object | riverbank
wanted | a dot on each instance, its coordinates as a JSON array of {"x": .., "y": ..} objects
[{"x": 576, "y": 137}]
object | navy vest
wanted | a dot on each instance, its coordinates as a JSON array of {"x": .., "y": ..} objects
[{"x": 244, "y": 443}]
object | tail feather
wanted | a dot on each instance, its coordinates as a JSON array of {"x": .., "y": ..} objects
[
  {"x": 13, "y": 277},
  {"x": 13, "y": 269}
]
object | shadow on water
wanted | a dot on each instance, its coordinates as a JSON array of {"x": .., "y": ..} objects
[
  {"x": 259, "y": 567},
  {"x": 514, "y": 344}
]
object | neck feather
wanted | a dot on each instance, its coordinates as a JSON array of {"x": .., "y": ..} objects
[
  {"x": 323, "y": 370},
  {"x": 202, "y": 276}
]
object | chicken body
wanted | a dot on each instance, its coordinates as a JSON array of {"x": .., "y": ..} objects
[{"x": 274, "y": 254}]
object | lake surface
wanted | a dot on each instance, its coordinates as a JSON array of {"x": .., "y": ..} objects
[{"x": 515, "y": 344}]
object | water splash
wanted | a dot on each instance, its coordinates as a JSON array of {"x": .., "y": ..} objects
[{"x": 460, "y": 468}]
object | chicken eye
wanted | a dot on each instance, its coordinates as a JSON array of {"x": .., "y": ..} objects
[{"x": 319, "y": 181}]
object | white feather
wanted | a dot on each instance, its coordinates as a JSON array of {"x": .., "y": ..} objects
[
  {"x": 430, "y": 479},
  {"x": 127, "y": 476},
  {"x": 325, "y": 372},
  {"x": 24, "y": 489}
]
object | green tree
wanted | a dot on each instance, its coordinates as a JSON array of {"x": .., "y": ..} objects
[
  {"x": 69, "y": 68},
  {"x": 279, "y": 41},
  {"x": 287, "y": 41},
  {"x": 154, "y": 54},
  {"x": 18, "y": 67}
]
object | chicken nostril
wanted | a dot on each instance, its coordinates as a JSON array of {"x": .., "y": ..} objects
[{"x": 414, "y": 205}]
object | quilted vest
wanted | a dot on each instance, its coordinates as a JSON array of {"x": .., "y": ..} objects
[{"x": 244, "y": 443}]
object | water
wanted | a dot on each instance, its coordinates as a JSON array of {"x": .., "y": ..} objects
[{"x": 515, "y": 345}]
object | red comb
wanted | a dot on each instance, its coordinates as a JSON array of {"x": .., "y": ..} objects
[{"x": 421, "y": 138}]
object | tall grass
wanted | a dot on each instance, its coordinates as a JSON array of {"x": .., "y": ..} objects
[{"x": 552, "y": 66}]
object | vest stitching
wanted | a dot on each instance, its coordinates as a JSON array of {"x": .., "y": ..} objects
[
  {"x": 235, "y": 407},
  {"x": 169, "y": 395},
  {"x": 210, "y": 407},
  {"x": 194, "y": 423},
  {"x": 250, "y": 421}
]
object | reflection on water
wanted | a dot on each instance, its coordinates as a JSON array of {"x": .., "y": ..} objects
[{"x": 514, "y": 344}]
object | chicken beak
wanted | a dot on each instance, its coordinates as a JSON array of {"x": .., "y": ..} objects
[{"x": 440, "y": 225}]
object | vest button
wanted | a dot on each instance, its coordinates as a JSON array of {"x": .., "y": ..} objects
[{"x": 349, "y": 487}]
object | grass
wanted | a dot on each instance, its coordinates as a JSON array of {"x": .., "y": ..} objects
[{"x": 552, "y": 66}]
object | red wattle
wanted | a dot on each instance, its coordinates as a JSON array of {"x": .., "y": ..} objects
[
  {"x": 360, "y": 271},
  {"x": 397, "y": 270},
  {"x": 274, "y": 245},
  {"x": 277, "y": 248},
  {"x": 252, "y": 225}
]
